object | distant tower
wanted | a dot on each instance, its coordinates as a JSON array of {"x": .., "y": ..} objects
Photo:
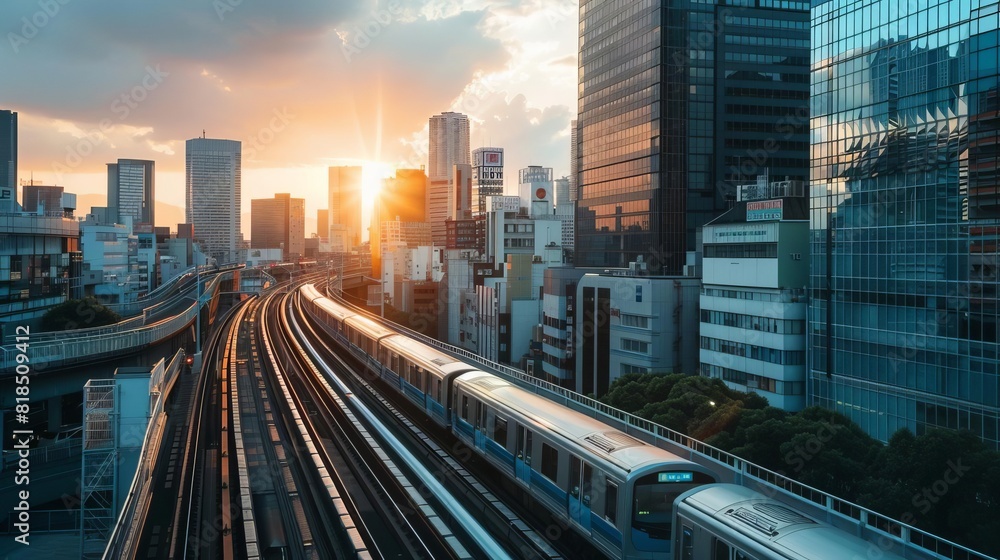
[
  {"x": 448, "y": 146},
  {"x": 345, "y": 208},
  {"x": 8, "y": 153},
  {"x": 132, "y": 190},
  {"x": 212, "y": 197},
  {"x": 278, "y": 222}
]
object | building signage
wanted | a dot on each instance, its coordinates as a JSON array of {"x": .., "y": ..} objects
[
  {"x": 760, "y": 210},
  {"x": 505, "y": 203},
  {"x": 488, "y": 167},
  {"x": 742, "y": 233}
]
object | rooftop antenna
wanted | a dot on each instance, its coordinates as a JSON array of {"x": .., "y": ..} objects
[{"x": 203, "y": 133}]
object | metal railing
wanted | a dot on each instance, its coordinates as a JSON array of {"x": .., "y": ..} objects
[
  {"x": 136, "y": 502},
  {"x": 96, "y": 347}
]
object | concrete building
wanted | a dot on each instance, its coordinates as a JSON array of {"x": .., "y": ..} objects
[
  {"x": 700, "y": 98},
  {"x": 46, "y": 198},
  {"x": 323, "y": 225},
  {"x": 345, "y": 194},
  {"x": 278, "y": 223},
  {"x": 112, "y": 270},
  {"x": 41, "y": 270},
  {"x": 213, "y": 190},
  {"x": 905, "y": 202},
  {"x": 487, "y": 178},
  {"x": 559, "y": 325},
  {"x": 566, "y": 212},
  {"x": 753, "y": 301},
  {"x": 132, "y": 191},
  {"x": 448, "y": 146},
  {"x": 634, "y": 324}
]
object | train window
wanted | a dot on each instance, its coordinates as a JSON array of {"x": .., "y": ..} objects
[
  {"x": 550, "y": 462},
  {"x": 611, "y": 502},
  {"x": 500, "y": 431},
  {"x": 418, "y": 378},
  {"x": 465, "y": 407},
  {"x": 740, "y": 555},
  {"x": 687, "y": 543},
  {"x": 720, "y": 550}
]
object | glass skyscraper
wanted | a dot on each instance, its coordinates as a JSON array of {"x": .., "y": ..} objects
[
  {"x": 213, "y": 188},
  {"x": 905, "y": 208},
  {"x": 132, "y": 190},
  {"x": 679, "y": 103},
  {"x": 8, "y": 149}
]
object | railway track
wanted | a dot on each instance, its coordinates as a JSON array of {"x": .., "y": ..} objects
[
  {"x": 455, "y": 464},
  {"x": 385, "y": 493}
]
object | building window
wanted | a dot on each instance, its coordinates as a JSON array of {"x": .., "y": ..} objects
[
  {"x": 637, "y": 346},
  {"x": 629, "y": 368},
  {"x": 636, "y": 321}
]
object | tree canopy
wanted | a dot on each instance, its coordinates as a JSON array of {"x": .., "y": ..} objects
[
  {"x": 78, "y": 314},
  {"x": 944, "y": 482}
]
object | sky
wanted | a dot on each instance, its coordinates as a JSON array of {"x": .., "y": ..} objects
[{"x": 304, "y": 84}]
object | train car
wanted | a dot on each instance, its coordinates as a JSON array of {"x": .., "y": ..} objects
[
  {"x": 615, "y": 490},
  {"x": 363, "y": 336},
  {"x": 730, "y": 522},
  {"x": 422, "y": 373}
]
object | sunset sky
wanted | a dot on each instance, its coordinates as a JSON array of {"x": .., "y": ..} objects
[{"x": 303, "y": 84}]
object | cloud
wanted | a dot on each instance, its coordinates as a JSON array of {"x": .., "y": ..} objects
[{"x": 124, "y": 79}]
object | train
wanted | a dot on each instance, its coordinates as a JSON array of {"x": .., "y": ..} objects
[{"x": 628, "y": 498}]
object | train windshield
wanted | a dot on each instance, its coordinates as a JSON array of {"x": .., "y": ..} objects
[{"x": 653, "y": 500}]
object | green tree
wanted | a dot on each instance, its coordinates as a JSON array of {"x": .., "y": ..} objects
[
  {"x": 944, "y": 482},
  {"x": 78, "y": 314}
]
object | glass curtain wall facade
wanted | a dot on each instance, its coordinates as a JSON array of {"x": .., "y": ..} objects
[
  {"x": 905, "y": 214},
  {"x": 213, "y": 195},
  {"x": 679, "y": 103}
]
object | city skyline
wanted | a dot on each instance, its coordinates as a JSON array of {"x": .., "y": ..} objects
[{"x": 298, "y": 111}]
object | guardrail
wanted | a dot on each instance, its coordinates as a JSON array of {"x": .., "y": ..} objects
[
  {"x": 862, "y": 518},
  {"x": 96, "y": 347},
  {"x": 136, "y": 502},
  {"x": 43, "y": 454}
]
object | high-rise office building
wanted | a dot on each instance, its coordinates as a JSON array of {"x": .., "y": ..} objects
[
  {"x": 487, "y": 178},
  {"x": 345, "y": 208},
  {"x": 574, "y": 159},
  {"x": 213, "y": 190},
  {"x": 700, "y": 98},
  {"x": 132, "y": 190},
  {"x": 904, "y": 213},
  {"x": 403, "y": 196},
  {"x": 8, "y": 151},
  {"x": 402, "y": 199},
  {"x": 448, "y": 145},
  {"x": 278, "y": 223},
  {"x": 323, "y": 224}
]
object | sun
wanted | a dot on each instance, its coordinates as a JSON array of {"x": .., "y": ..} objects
[{"x": 373, "y": 174}]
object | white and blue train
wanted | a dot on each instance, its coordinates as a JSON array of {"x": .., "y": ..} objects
[{"x": 625, "y": 496}]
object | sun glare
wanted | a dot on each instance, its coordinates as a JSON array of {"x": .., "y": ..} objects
[{"x": 372, "y": 175}]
